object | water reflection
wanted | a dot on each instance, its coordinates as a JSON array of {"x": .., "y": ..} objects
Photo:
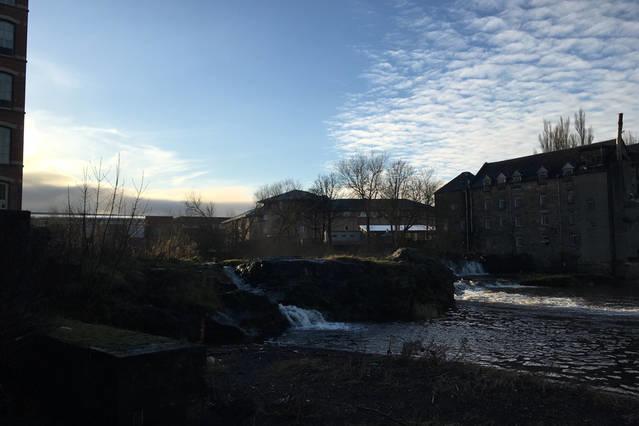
[{"x": 588, "y": 336}]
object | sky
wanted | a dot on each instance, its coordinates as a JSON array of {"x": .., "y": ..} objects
[{"x": 219, "y": 97}]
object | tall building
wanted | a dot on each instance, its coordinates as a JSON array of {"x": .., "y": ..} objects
[
  {"x": 13, "y": 64},
  {"x": 575, "y": 209}
]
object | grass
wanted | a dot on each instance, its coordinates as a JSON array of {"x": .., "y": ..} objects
[{"x": 278, "y": 386}]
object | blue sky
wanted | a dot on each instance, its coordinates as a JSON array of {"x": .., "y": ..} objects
[{"x": 219, "y": 97}]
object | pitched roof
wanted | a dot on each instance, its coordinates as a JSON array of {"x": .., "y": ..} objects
[
  {"x": 553, "y": 162},
  {"x": 356, "y": 204},
  {"x": 457, "y": 184},
  {"x": 294, "y": 195}
]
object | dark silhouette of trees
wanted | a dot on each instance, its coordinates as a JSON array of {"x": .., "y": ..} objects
[
  {"x": 362, "y": 176},
  {"x": 559, "y": 136}
]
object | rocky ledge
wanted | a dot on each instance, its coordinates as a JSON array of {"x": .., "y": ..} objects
[{"x": 406, "y": 286}]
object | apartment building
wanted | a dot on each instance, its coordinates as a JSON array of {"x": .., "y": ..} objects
[{"x": 13, "y": 61}]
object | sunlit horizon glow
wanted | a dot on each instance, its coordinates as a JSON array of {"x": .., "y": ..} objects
[{"x": 444, "y": 85}]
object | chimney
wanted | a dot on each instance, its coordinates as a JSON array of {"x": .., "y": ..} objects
[{"x": 619, "y": 139}]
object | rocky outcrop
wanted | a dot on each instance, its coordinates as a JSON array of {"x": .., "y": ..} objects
[
  {"x": 403, "y": 287},
  {"x": 196, "y": 302}
]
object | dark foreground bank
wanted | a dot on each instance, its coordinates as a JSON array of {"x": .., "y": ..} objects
[{"x": 267, "y": 385}]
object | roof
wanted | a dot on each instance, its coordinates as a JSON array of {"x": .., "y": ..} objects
[
  {"x": 357, "y": 204},
  {"x": 553, "y": 162},
  {"x": 294, "y": 195},
  {"x": 248, "y": 213},
  {"x": 457, "y": 184}
]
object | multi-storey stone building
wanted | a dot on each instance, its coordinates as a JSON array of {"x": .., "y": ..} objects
[
  {"x": 303, "y": 218},
  {"x": 574, "y": 209},
  {"x": 13, "y": 61}
]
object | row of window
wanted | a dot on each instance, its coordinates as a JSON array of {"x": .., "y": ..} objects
[
  {"x": 545, "y": 240},
  {"x": 5, "y": 145},
  {"x": 4, "y": 196},
  {"x": 516, "y": 177},
  {"x": 544, "y": 220},
  {"x": 517, "y": 202}
]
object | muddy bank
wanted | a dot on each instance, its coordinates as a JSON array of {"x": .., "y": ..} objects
[{"x": 282, "y": 386}]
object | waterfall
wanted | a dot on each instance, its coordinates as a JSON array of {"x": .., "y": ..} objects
[
  {"x": 467, "y": 268},
  {"x": 309, "y": 319},
  {"x": 240, "y": 283}
]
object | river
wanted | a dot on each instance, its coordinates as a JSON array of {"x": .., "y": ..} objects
[{"x": 588, "y": 335}]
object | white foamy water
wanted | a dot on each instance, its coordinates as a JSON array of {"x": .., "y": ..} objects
[
  {"x": 509, "y": 293},
  {"x": 309, "y": 319},
  {"x": 240, "y": 283},
  {"x": 467, "y": 268}
]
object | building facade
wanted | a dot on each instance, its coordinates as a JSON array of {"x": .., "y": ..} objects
[
  {"x": 303, "y": 218},
  {"x": 575, "y": 209},
  {"x": 13, "y": 61}
]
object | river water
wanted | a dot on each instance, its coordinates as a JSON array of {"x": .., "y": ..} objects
[{"x": 588, "y": 335}]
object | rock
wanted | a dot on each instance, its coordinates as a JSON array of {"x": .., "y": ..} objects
[{"x": 351, "y": 289}]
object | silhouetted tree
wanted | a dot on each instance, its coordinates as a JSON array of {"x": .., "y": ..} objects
[
  {"x": 584, "y": 135},
  {"x": 559, "y": 136},
  {"x": 329, "y": 187},
  {"x": 362, "y": 175},
  {"x": 194, "y": 206}
]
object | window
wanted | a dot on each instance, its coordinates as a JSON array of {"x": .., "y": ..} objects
[
  {"x": 545, "y": 240},
  {"x": 517, "y": 202},
  {"x": 570, "y": 197},
  {"x": 453, "y": 207},
  {"x": 501, "y": 179},
  {"x": 574, "y": 239},
  {"x": 571, "y": 218},
  {"x": 487, "y": 204},
  {"x": 5, "y": 145},
  {"x": 501, "y": 204},
  {"x": 501, "y": 221},
  {"x": 6, "y": 89},
  {"x": 568, "y": 170},
  {"x": 4, "y": 196},
  {"x": 542, "y": 175},
  {"x": 545, "y": 220},
  {"x": 518, "y": 222},
  {"x": 542, "y": 200},
  {"x": 590, "y": 203},
  {"x": 487, "y": 223},
  {"x": 517, "y": 177},
  {"x": 345, "y": 227},
  {"x": 7, "y": 36},
  {"x": 9, "y": 2},
  {"x": 487, "y": 182},
  {"x": 519, "y": 242}
]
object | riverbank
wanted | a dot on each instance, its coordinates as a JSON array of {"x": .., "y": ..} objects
[{"x": 269, "y": 385}]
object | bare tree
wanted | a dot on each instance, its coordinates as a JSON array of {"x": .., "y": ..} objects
[
  {"x": 422, "y": 187},
  {"x": 395, "y": 188},
  {"x": 276, "y": 188},
  {"x": 328, "y": 187},
  {"x": 585, "y": 135},
  {"x": 107, "y": 214},
  {"x": 631, "y": 139},
  {"x": 194, "y": 206},
  {"x": 362, "y": 175},
  {"x": 559, "y": 136},
  {"x": 287, "y": 215}
]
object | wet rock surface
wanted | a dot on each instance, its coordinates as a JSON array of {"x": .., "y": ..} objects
[{"x": 404, "y": 287}]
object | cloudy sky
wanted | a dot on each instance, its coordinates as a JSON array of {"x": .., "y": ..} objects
[{"x": 219, "y": 97}]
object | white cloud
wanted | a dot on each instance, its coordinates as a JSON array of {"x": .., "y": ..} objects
[
  {"x": 58, "y": 150},
  {"x": 472, "y": 81}
]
